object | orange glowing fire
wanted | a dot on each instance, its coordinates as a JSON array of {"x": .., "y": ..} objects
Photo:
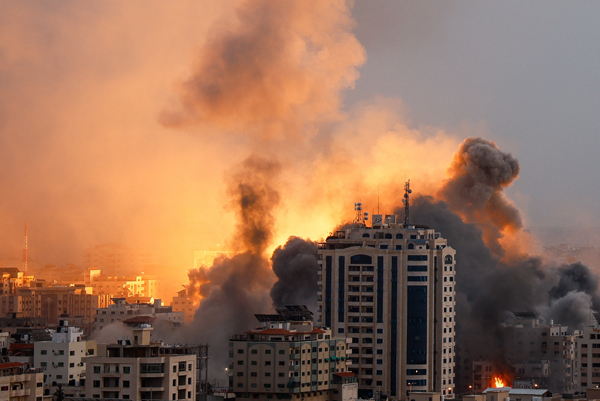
[{"x": 498, "y": 382}]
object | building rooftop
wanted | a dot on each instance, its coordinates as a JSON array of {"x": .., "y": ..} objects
[{"x": 518, "y": 391}]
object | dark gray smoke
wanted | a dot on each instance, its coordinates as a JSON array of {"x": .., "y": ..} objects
[
  {"x": 489, "y": 289},
  {"x": 295, "y": 265},
  {"x": 478, "y": 174},
  {"x": 236, "y": 288}
]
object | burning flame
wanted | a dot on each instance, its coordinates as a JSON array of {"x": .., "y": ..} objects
[{"x": 498, "y": 382}]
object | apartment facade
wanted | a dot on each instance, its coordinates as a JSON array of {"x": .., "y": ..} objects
[
  {"x": 543, "y": 354},
  {"x": 20, "y": 383},
  {"x": 141, "y": 370},
  {"x": 391, "y": 289},
  {"x": 289, "y": 358}
]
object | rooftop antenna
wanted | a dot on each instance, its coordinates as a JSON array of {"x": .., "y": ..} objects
[
  {"x": 361, "y": 217},
  {"x": 407, "y": 192},
  {"x": 25, "y": 250}
]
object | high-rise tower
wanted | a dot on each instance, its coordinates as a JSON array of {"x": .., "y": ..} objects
[{"x": 390, "y": 288}]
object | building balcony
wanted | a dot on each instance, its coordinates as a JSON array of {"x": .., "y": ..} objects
[
  {"x": 18, "y": 393},
  {"x": 295, "y": 367},
  {"x": 142, "y": 375},
  {"x": 295, "y": 356}
]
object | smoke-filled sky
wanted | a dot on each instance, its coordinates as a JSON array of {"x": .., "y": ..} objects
[{"x": 120, "y": 121}]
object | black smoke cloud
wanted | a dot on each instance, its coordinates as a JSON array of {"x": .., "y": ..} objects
[
  {"x": 489, "y": 289},
  {"x": 479, "y": 172},
  {"x": 235, "y": 288},
  {"x": 295, "y": 265}
]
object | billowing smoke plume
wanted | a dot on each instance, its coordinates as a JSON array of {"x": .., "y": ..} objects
[
  {"x": 233, "y": 289},
  {"x": 490, "y": 288},
  {"x": 275, "y": 67},
  {"x": 478, "y": 174},
  {"x": 295, "y": 265}
]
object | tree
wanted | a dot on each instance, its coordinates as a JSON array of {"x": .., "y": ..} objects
[{"x": 59, "y": 394}]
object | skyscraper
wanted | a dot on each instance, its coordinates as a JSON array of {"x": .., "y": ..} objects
[{"x": 390, "y": 287}]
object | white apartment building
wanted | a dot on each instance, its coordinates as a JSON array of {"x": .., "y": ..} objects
[
  {"x": 391, "y": 289},
  {"x": 290, "y": 358},
  {"x": 141, "y": 370},
  {"x": 62, "y": 359}
]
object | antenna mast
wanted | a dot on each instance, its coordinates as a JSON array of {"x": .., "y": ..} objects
[
  {"x": 361, "y": 217},
  {"x": 25, "y": 250},
  {"x": 407, "y": 192}
]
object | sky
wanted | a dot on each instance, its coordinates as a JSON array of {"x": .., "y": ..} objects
[{"x": 125, "y": 121}]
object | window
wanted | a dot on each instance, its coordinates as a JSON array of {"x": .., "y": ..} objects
[
  {"x": 96, "y": 383},
  {"x": 61, "y": 352},
  {"x": 44, "y": 352},
  {"x": 59, "y": 376},
  {"x": 71, "y": 365},
  {"x": 267, "y": 351},
  {"x": 240, "y": 351},
  {"x": 96, "y": 369},
  {"x": 253, "y": 363},
  {"x": 125, "y": 383},
  {"x": 253, "y": 374},
  {"x": 239, "y": 374},
  {"x": 238, "y": 362},
  {"x": 126, "y": 369},
  {"x": 190, "y": 367},
  {"x": 43, "y": 364},
  {"x": 175, "y": 366},
  {"x": 71, "y": 353},
  {"x": 254, "y": 351},
  {"x": 281, "y": 351},
  {"x": 61, "y": 364}
]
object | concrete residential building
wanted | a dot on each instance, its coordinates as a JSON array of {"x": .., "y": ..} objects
[
  {"x": 543, "y": 354},
  {"x": 182, "y": 303},
  {"x": 587, "y": 360},
  {"x": 391, "y": 288},
  {"x": 20, "y": 383},
  {"x": 120, "y": 286},
  {"x": 290, "y": 358},
  {"x": 41, "y": 300},
  {"x": 120, "y": 310},
  {"x": 62, "y": 359},
  {"x": 140, "y": 370}
]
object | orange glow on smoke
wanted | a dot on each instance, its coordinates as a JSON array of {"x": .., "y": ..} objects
[{"x": 498, "y": 382}]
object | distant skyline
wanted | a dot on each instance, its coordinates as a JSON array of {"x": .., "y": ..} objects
[{"x": 383, "y": 92}]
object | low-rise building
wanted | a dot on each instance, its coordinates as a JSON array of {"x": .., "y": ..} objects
[
  {"x": 19, "y": 382},
  {"x": 290, "y": 358},
  {"x": 138, "y": 369},
  {"x": 121, "y": 310}
]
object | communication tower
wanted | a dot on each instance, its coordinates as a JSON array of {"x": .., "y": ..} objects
[{"x": 361, "y": 217}]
